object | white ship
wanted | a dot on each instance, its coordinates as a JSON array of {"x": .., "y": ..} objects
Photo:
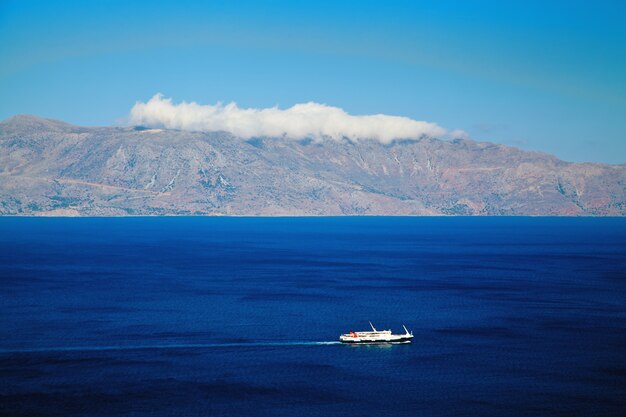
[{"x": 376, "y": 336}]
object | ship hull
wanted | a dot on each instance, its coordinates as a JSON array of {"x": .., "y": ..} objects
[
  {"x": 376, "y": 337},
  {"x": 359, "y": 341}
]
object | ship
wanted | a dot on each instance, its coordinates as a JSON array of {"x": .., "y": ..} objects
[{"x": 376, "y": 336}]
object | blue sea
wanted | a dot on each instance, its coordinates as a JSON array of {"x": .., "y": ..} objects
[{"x": 241, "y": 316}]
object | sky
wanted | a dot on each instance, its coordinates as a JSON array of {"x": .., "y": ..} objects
[{"x": 548, "y": 76}]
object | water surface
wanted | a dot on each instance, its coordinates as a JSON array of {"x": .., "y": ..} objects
[{"x": 238, "y": 316}]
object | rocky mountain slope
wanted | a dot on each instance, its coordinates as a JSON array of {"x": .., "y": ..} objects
[{"x": 49, "y": 167}]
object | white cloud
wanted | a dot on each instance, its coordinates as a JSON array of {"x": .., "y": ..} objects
[
  {"x": 458, "y": 134},
  {"x": 306, "y": 120}
]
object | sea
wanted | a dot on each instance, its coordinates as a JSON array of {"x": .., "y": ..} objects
[{"x": 235, "y": 316}]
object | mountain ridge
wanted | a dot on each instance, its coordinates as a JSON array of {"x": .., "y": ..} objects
[{"x": 49, "y": 167}]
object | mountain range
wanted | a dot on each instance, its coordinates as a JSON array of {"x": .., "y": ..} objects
[{"x": 49, "y": 167}]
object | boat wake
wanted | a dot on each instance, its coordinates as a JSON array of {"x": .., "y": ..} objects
[{"x": 168, "y": 346}]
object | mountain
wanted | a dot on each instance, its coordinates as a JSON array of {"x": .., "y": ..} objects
[{"x": 49, "y": 167}]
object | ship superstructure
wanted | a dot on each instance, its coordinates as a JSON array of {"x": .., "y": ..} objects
[{"x": 376, "y": 336}]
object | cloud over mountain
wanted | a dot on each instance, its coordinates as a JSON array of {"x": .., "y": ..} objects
[{"x": 305, "y": 120}]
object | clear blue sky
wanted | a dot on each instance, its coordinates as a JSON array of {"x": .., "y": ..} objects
[{"x": 541, "y": 75}]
